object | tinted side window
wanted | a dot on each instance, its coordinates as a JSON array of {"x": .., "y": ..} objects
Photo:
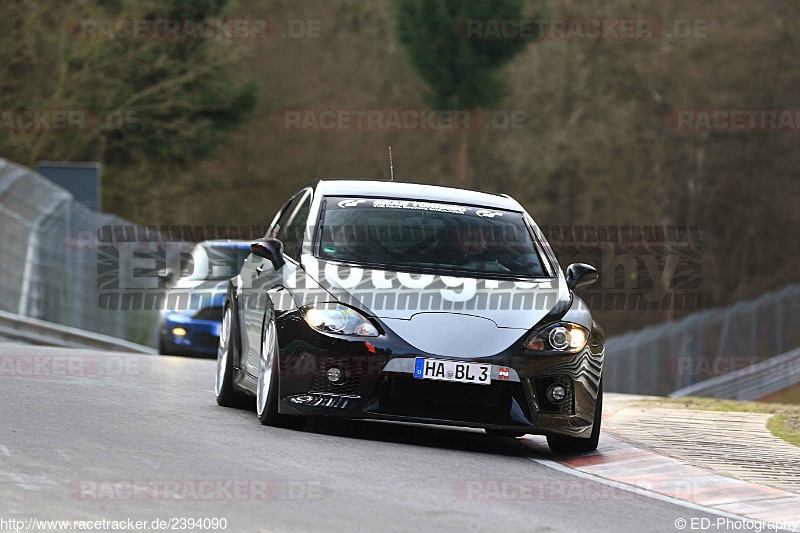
[
  {"x": 292, "y": 233},
  {"x": 285, "y": 212}
]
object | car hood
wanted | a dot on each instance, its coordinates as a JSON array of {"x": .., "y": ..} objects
[
  {"x": 200, "y": 284},
  {"x": 195, "y": 294},
  {"x": 445, "y": 315}
]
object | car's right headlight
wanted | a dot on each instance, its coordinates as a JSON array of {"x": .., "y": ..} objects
[
  {"x": 335, "y": 318},
  {"x": 559, "y": 337}
]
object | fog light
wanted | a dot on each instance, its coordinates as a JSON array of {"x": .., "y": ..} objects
[
  {"x": 556, "y": 393},
  {"x": 334, "y": 374},
  {"x": 180, "y": 332}
]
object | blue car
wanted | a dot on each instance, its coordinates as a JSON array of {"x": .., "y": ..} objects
[{"x": 194, "y": 304}]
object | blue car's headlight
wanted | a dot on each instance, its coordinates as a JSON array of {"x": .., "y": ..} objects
[
  {"x": 335, "y": 318},
  {"x": 560, "y": 337}
]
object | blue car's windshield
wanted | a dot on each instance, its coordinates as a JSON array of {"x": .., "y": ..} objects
[
  {"x": 215, "y": 262},
  {"x": 428, "y": 235}
]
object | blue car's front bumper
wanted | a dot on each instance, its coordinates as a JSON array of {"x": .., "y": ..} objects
[{"x": 201, "y": 337}]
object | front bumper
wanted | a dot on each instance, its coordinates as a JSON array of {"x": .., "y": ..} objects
[
  {"x": 377, "y": 382},
  {"x": 201, "y": 338}
]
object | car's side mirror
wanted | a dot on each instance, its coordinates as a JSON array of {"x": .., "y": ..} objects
[
  {"x": 271, "y": 249},
  {"x": 580, "y": 275},
  {"x": 167, "y": 275}
]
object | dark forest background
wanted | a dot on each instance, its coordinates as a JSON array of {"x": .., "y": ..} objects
[{"x": 597, "y": 147}]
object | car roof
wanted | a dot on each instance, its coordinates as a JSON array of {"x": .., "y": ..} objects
[{"x": 415, "y": 191}]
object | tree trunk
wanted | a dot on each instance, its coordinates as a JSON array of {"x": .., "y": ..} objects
[{"x": 463, "y": 152}]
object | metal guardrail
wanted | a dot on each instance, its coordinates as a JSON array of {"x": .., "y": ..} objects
[
  {"x": 35, "y": 331},
  {"x": 66, "y": 264},
  {"x": 650, "y": 360},
  {"x": 750, "y": 383}
]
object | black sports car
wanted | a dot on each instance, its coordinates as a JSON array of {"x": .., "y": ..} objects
[{"x": 410, "y": 302}]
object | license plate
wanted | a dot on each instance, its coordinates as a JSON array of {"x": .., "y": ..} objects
[{"x": 474, "y": 373}]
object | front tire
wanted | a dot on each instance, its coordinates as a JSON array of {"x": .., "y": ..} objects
[
  {"x": 162, "y": 345},
  {"x": 267, "y": 388},
  {"x": 563, "y": 445},
  {"x": 227, "y": 396}
]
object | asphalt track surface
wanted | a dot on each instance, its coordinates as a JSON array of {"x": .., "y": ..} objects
[{"x": 98, "y": 436}]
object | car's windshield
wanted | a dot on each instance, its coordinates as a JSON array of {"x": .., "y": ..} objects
[
  {"x": 429, "y": 236},
  {"x": 215, "y": 262}
]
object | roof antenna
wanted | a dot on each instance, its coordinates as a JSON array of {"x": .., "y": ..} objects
[{"x": 391, "y": 165}]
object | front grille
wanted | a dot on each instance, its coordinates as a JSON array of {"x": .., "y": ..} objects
[
  {"x": 206, "y": 340},
  {"x": 497, "y": 403},
  {"x": 348, "y": 384},
  {"x": 209, "y": 313},
  {"x": 503, "y": 403},
  {"x": 542, "y": 384},
  {"x": 430, "y": 392}
]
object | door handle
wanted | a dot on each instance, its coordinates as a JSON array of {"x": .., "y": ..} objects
[{"x": 259, "y": 270}]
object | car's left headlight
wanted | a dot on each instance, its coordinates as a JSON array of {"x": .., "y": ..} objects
[
  {"x": 559, "y": 337},
  {"x": 335, "y": 318}
]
